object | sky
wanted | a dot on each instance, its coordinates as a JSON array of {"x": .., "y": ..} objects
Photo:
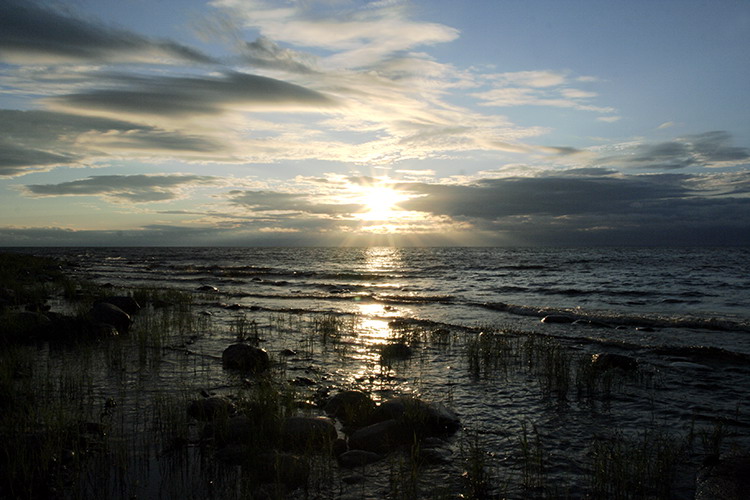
[{"x": 389, "y": 122}]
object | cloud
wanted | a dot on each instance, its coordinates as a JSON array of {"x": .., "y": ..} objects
[
  {"x": 555, "y": 196},
  {"x": 31, "y": 32},
  {"x": 189, "y": 96},
  {"x": 709, "y": 149},
  {"x": 357, "y": 37},
  {"x": 32, "y": 141},
  {"x": 269, "y": 201},
  {"x": 537, "y": 88},
  {"x": 596, "y": 206},
  {"x": 124, "y": 188},
  {"x": 267, "y": 54}
]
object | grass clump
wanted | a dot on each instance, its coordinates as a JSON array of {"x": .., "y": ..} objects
[{"x": 635, "y": 467}]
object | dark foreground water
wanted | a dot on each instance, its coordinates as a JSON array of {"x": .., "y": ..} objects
[{"x": 684, "y": 314}]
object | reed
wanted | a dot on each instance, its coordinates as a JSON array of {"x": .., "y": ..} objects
[
  {"x": 478, "y": 479},
  {"x": 629, "y": 467}
]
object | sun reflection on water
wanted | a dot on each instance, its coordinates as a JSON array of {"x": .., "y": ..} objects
[{"x": 373, "y": 327}]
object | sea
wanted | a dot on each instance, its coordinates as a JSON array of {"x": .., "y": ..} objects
[{"x": 682, "y": 313}]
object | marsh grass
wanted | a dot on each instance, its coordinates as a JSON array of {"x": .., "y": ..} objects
[
  {"x": 533, "y": 460},
  {"x": 628, "y": 467},
  {"x": 479, "y": 477},
  {"x": 244, "y": 329}
]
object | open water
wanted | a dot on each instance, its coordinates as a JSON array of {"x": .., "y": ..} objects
[{"x": 683, "y": 313}]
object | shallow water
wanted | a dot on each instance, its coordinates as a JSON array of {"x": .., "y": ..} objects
[{"x": 683, "y": 314}]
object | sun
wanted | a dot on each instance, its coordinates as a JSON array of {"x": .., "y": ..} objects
[{"x": 380, "y": 202}]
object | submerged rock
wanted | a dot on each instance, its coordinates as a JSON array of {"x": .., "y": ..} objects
[
  {"x": 245, "y": 357},
  {"x": 608, "y": 361},
  {"x": 557, "y": 318},
  {"x": 396, "y": 351}
]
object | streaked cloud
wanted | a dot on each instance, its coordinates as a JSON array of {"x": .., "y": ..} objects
[
  {"x": 33, "y": 141},
  {"x": 709, "y": 149},
  {"x": 191, "y": 96},
  {"x": 125, "y": 188},
  {"x": 30, "y": 32},
  {"x": 357, "y": 37},
  {"x": 537, "y": 88}
]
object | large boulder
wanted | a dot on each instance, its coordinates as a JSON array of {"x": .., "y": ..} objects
[
  {"x": 381, "y": 437},
  {"x": 308, "y": 433},
  {"x": 105, "y": 313},
  {"x": 245, "y": 357},
  {"x": 352, "y": 408},
  {"x": 420, "y": 417}
]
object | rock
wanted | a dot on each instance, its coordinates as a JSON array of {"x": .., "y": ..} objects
[
  {"x": 557, "y": 318},
  {"x": 109, "y": 314},
  {"x": 608, "y": 361},
  {"x": 211, "y": 408},
  {"x": 396, "y": 351},
  {"x": 725, "y": 478},
  {"x": 352, "y": 408},
  {"x": 245, "y": 357},
  {"x": 127, "y": 304},
  {"x": 422, "y": 418},
  {"x": 288, "y": 352},
  {"x": 302, "y": 382},
  {"x": 307, "y": 433},
  {"x": 382, "y": 437},
  {"x": 357, "y": 458},
  {"x": 207, "y": 288}
]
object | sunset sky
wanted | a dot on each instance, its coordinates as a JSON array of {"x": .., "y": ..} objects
[{"x": 487, "y": 122}]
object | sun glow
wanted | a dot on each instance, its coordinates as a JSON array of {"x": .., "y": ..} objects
[{"x": 380, "y": 203}]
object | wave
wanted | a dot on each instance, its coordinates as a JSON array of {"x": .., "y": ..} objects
[{"x": 614, "y": 319}]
